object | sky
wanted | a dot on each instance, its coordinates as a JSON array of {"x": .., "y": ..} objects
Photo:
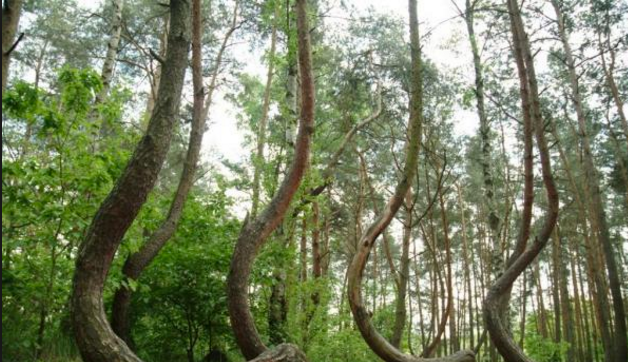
[{"x": 438, "y": 18}]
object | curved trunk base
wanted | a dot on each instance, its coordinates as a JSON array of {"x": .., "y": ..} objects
[{"x": 284, "y": 352}]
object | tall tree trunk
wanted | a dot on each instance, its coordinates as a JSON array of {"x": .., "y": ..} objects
[
  {"x": 524, "y": 304},
  {"x": 11, "y": 11},
  {"x": 317, "y": 271},
  {"x": 108, "y": 65},
  {"x": 255, "y": 232},
  {"x": 600, "y": 300},
  {"x": 467, "y": 269},
  {"x": 404, "y": 274},
  {"x": 361, "y": 316},
  {"x": 523, "y": 255},
  {"x": 447, "y": 308},
  {"x": 155, "y": 75},
  {"x": 610, "y": 79},
  {"x": 555, "y": 278},
  {"x": 541, "y": 311},
  {"x": 485, "y": 129},
  {"x": 137, "y": 262},
  {"x": 96, "y": 340},
  {"x": 258, "y": 162},
  {"x": 620, "y": 348},
  {"x": 567, "y": 311}
]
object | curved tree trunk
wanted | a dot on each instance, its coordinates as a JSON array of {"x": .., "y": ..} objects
[
  {"x": 11, "y": 11},
  {"x": 522, "y": 257},
  {"x": 96, "y": 340},
  {"x": 255, "y": 232},
  {"x": 361, "y": 316},
  {"x": 137, "y": 262}
]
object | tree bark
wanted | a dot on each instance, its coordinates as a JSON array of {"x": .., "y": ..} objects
[
  {"x": 523, "y": 256},
  {"x": 255, "y": 232},
  {"x": 467, "y": 269},
  {"x": 404, "y": 274},
  {"x": 620, "y": 348},
  {"x": 137, "y": 262},
  {"x": 96, "y": 340},
  {"x": 11, "y": 11},
  {"x": 361, "y": 316},
  {"x": 155, "y": 76},
  {"x": 493, "y": 219},
  {"x": 567, "y": 311},
  {"x": 106, "y": 73},
  {"x": 261, "y": 131}
]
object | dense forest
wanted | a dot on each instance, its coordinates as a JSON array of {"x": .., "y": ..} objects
[{"x": 377, "y": 202}]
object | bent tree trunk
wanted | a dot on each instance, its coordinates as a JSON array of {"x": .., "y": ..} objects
[
  {"x": 255, "y": 232},
  {"x": 137, "y": 262},
  {"x": 522, "y": 257},
  {"x": 95, "y": 339},
  {"x": 362, "y": 318}
]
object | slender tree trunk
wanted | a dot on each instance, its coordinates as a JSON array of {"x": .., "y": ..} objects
[
  {"x": 361, "y": 316},
  {"x": 11, "y": 11},
  {"x": 400, "y": 301},
  {"x": 467, "y": 269},
  {"x": 555, "y": 278},
  {"x": 619, "y": 351},
  {"x": 541, "y": 311},
  {"x": 137, "y": 262},
  {"x": 255, "y": 232},
  {"x": 261, "y": 131},
  {"x": 524, "y": 304},
  {"x": 523, "y": 256},
  {"x": 155, "y": 76},
  {"x": 96, "y": 340},
  {"x": 567, "y": 311},
  {"x": 108, "y": 66},
  {"x": 610, "y": 80},
  {"x": 600, "y": 300}
]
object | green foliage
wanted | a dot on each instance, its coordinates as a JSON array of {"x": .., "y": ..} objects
[
  {"x": 183, "y": 291},
  {"x": 542, "y": 349},
  {"x": 51, "y": 189}
]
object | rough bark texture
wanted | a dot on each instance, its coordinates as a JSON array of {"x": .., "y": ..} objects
[
  {"x": 11, "y": 11},
  {"x": 597, "y": 206},
  {"x": 137, "y": 262},
  {"x": 96, "y": 340},
  {"x": 361, "y": 316},
  {"x": 255, "y": 232},
  {"x": 282, "y": 353},
  {"x": 522, "y": 257}
]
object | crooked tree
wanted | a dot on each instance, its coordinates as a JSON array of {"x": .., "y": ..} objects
[
  {"x": 255, "y": 232},
  {"x": 96, "y": 340},
  {"x": 523, "y": 255},
  {"x": 355, "y": 273}
]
